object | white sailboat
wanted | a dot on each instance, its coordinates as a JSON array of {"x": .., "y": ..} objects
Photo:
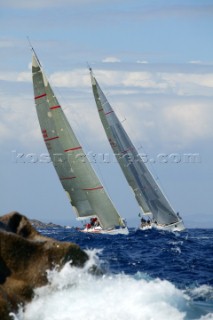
[
  {"x": 85, "y": 191},
  {"x": 156, "y": 209}
]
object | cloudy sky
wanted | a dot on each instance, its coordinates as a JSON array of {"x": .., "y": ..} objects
[{"x": 154, "y": 61}]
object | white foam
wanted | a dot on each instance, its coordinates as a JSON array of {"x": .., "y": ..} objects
[
  {"x": 74, "y": 293},
  {"x": 207, "y": 317},
  {"x": 204, "y": 291}
]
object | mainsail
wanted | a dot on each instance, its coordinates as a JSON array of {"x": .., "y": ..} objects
[
  {"x": 86, "y": 193},
  {"x": 147, "y": 192}
]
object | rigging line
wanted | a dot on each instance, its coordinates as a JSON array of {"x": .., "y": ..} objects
[
  {"x": 33, "y": 50},
  {"x": 115, "y": 108},
  {"x": 101, "y": 176},
  {"x": 141, "y": 146},
  {"x": 150, "y": 163},
  {"x": 88, "y": 66},
  {"x": 154, "y": 173}
]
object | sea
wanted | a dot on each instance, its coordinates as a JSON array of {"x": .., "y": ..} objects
[{"x": 146, "y": 275}]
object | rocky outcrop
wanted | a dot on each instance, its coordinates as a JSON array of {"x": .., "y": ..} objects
[
  {"x": 41, "y": 225},
  {"x": 25, "y": 255}
]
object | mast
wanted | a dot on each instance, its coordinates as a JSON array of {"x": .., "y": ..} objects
[
  {"x": 85, "y": 191},
  {"x": 147, "y": 192}
]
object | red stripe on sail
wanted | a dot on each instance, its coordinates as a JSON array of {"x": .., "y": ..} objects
[
  {"x": 90, "y": 189},
  {"x": 108, "y": 112},
  {"x": 55, "y": 107},
  {"x": 41, "y": 96},
  {"x": 67, "y": 178},
  {"x": 49, "y": 139},
  {"x": 72, "y": 149}
]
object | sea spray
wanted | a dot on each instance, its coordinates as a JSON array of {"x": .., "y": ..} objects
[
  {"x": 145, "y": 278},
  {"x": 75, "y": 293}
]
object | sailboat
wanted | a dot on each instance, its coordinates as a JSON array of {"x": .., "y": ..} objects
[
  {"x": 156, "y": 209},
  {"x": 87, "y": 195}
]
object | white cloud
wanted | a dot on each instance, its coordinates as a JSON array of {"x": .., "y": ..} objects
[
  {"x": 18, "y": 123},
  {"x": 164, "y": 122},
  {"x": 8, "y": 76},
  {"x": 158, "y": 105},
  {"x": 76, "y": 78},
  {"x": 5, "y": 131},
  {"x": 16, "y": 76},
  {"x": 142, "y": 61},
  {"x": 24, "y": 77},
  {"x": 182, "y": 84},
  {"x": 187, "y": 82},
  {"x": 111, "y": 59},
  {"x": 196, "y": 62},
  {"x": 179, "y": 83},
  {"x": 80, "y": 78},
  {"x": 144, "y": 80},
  {"x": 188, "y": 122},
  {"x": 199, "y": 62}
]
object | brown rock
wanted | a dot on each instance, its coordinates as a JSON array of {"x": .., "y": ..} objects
[{"x": 25, "y": 255}]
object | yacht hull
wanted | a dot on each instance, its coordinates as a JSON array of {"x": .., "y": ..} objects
[
  {"x": 177, "y": 226},
  {"x": 124, "y": 231}
]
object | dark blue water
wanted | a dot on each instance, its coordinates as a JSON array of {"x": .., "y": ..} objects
[
  {"x": 182, "y": 258},
  {"x": 185, "y": 259}
]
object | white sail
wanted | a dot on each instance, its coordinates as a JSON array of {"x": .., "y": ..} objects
[
  {"x": 147, "y": 192},
  {"x": 86, "y": 193}
]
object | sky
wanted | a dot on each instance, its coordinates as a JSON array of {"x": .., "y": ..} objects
[{"x": 154, "y": 61}]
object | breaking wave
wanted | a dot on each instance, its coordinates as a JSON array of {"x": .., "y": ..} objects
[{"x": 76, "y": 293}]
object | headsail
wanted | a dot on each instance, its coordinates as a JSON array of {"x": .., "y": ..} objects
[
  {"x": 147, "y": 192},
  {"x": 87, "y": 195}
]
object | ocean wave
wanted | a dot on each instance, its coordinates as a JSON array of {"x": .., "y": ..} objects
[{"x": 76, "y": 293}]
